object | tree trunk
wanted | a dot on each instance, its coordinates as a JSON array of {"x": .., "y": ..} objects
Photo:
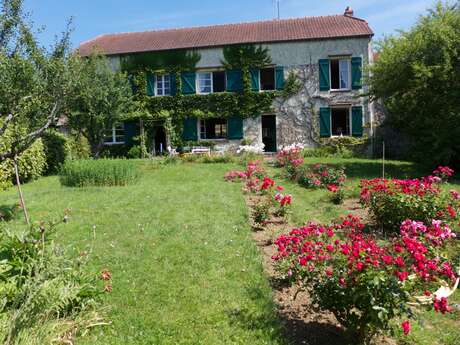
[{"x": 21, "y": 196}]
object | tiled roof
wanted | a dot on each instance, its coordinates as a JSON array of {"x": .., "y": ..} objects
[{"x": 308, "y": 28}]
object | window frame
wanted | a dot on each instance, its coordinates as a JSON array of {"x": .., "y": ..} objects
[
  {"x": 163, "y": 77},
  {"x": 350, "y": 121},
  {"x": 197, "y": 86},
  {"x": 339, "y": 59},
  {"x": 202, "y": 125},
  {"x": 113, "y": 132},
  {"x": 260, "y": 79}
]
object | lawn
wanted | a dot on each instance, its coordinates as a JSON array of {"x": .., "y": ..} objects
[{"x": 185, "y": 268}]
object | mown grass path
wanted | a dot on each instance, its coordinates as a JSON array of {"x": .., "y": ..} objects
[{"x": 185, "y": 269}]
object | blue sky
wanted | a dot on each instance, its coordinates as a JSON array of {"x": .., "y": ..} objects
[{"x": 95, "y": 17}]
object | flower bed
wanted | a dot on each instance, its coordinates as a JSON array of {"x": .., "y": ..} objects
[
  {"x": 391, "y": 202},
  {"x": 364, "y": 282},
  {"x": 270, "y": 200},
  {"x": 321, "y": 176}
]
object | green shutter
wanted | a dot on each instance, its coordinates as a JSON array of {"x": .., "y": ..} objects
[
  {"x": 255, "y": 79},
  {"x": 235, "y": 128},
  {"x": 357, "y": 121},
  {"x": 325, "y": 122},
  {"x": 356, "y": 73},
  {"x": 131, "y": 131},
  {"x": 234, "y": 80},
  {"x": 188, "y": 83},
  {"x": 150, "y": 84},
  {"x": 190, "y": 129},
  {"x": 324, "y": 84},
  {"x": 279, "y": 78},
  {"x": 172, "y": 80}
]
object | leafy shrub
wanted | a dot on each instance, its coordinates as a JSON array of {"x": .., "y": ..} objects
[
  {"x": 41, "y": 284},
  {"x": 31, "y": 165},
  {"x": 261, "y": 211},
  {"x": 319, "y": 152},
  {"x": 247, "y": 157},
  {"x": 366, "y": 283},
  {"x": 134, "y": 152},
  {"x": 337, "y": 194},
  {"x": 79, "y": 147},
  {"x": 321, "y": 176},
  {"x": 57, "y": 150},
  {"x": 226, "y": 158},
  {"x": 102, "y": 172},
  {"x": 9, "y": 212},
  {"x": 391, "y": 202}
]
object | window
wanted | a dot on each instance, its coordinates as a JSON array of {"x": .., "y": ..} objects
[
  {"x": 213, "y": 128},
  {"x": 205, "y": 82},
  {"x": 218, "y": 81},
  {"x": 115, "y": 136},
  {"x": 340, "y": 121},
  {"x": 267, "y": 79},
  {"x": 163, "y": 85},
  {"x": 340, "y": 74}
]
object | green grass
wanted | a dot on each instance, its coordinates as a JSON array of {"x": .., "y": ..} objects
[{"x": 185, "y": 269}]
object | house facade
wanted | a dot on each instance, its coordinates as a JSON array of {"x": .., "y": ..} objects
[{"x": 326, "y": 54}]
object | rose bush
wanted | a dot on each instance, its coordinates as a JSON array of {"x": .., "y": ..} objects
[
  {"x": 321, "y": 176},
  {"x": 366, "y": 283},
  {"x": 390, "y": 202}
]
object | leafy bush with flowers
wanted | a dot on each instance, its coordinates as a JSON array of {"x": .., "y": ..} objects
[
  {"x": 364, "y": 282},
  {"x": 390, "y": 202},
  {"x": 270, "y": 199},
  {"x": 337, "y": 194},
  {"x": 290, "y": 158},
  {"x": 321, "y": 176}
]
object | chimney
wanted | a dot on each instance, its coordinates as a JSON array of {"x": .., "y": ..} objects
[{"x": 349, "y": 11}]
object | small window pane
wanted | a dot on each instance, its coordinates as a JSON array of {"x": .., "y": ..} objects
[
  {"x": 213, "y": 129},
  {"x": 204, "y": 82},
  {"x": 344, "y": 74},
  {"x": 163, "y": 85}
]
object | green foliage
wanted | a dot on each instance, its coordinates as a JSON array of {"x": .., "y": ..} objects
[
  {"x": 134, "y": 152},
  {"x": 167, "y": 61},
  {"x": 416, "y": 76},
  {"x": 245, "y": 56},
  {"x": 102, "y": 98},
  {"x": 337, "y": 197},
  {"x": 57, "y": 150},
  {"x": 40, "y": 284},
  {"x": 292, "y": 86},
  {"x": 102, "y": 172},
  {"x": 78, "y": 147},
  {"x": 225, "y": 158},
  {"x": 9, "y": 212},
  {"x": 31, "y": 164}
]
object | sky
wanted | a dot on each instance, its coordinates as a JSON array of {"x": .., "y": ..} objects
[{"x": 96, "y": 17}]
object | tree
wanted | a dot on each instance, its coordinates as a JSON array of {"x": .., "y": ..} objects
[
  {"x": 102, "y": 99},
  {"x": 34, "y": 83},
  {"x": 417, "y": 77}
]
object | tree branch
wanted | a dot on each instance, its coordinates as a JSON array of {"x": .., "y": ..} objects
[
  {"x": 24, "y": 143},
  {"x": 6, "y": 123}
]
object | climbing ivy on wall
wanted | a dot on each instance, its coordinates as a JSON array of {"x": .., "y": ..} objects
[{"x": 174, "y": 109}]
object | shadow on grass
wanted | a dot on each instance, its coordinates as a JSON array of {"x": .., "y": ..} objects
[
  {"x": 282, "y": 325},
  {"x": 370, "y": 170}
]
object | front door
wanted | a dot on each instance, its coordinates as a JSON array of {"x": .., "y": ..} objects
[{"x": 269, "y": 132}]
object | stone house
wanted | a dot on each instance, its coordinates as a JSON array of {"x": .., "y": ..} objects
[{"x": 327, "y": 54}]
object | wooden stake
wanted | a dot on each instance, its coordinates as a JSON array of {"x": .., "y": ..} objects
[
  {"x": 18, "y": 184},
  {"x": 383, "y": 161}
]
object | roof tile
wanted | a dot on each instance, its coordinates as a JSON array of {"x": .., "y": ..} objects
[{"x": 307, "y": 28}]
